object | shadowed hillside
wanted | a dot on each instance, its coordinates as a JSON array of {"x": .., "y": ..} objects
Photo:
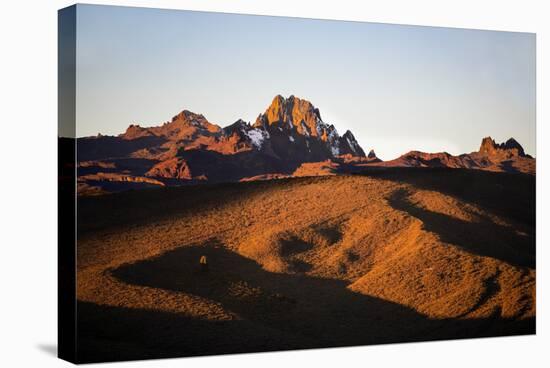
[{"x": 512, "y": 195}]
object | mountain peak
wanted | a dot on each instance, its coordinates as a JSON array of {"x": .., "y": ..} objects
[
  {"x": 348, "y": 144},
  {"x": 188, "y": 117},
  {"x": 487, "y": 145},
  {"x": 238, "y": 126},
  {"x": 298, "y": 118},
  {"x": 187, "y": 122},
  {"x": 513, "y": 144},
  {"x": 135, "y": 131},
  {"x": 510, "y": 148},
  {"x": 289, "y": 113}
]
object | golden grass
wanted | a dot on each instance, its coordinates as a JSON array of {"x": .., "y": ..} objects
[{"x": 369, "y": 239}]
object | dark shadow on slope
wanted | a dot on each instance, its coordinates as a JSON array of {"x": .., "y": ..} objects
[
  {"x": 107, "y": 333},
  {"x": 491, "y": 287},
  {"x": 131, "y": 166},
  {"x": 120, "y": 186},
  {"x": 218, "y": 167},
  {"x": 509, "y": 195},
  {"x": 520, "y": 164},
  {"x": 509, "y": 167},
  {"x": 279, "y": 311},
  {"x": 332, "y": 233},
  {"x": 106, "y": 147},
  {"x": 294, "y": 245},
  {"x": 483, "y": 238},
  {"x": 134, "y": 208}
]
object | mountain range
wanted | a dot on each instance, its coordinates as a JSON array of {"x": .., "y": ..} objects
[{"x": 289, "y": 139}]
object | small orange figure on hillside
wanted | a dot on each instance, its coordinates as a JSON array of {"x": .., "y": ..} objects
[{"x": 204, "y": 264}]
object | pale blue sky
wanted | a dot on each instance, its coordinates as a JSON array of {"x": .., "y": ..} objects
[{"x": 397, "y": 88}]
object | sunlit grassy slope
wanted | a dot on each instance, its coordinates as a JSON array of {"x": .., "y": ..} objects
[{"x": 306, "y": 262}]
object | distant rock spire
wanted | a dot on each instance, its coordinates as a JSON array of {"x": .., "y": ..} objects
[{"x": 510, "y": 148}]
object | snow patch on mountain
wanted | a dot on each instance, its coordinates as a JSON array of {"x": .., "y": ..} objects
[
  {"x": 333, "y": 134},
  {"x": 305, "y": 129},
  {"x": 319, "y": 125},
  {"x": 351, "y": 145},
  {"x": 290, "y": 124},
  {"x": 257, "y": 137}
]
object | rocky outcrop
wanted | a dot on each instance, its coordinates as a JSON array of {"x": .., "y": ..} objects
[
  {"x": 294, "y": 113},
  {"x": 116, "y": 177},
  {"x": 135, "y": 132},
  {"x": 348, "y": 145},
  {"x": 174, "y": 168},
  {"x": 511, "y": 148},
  {"x": 505, "y": 157},
  {"x": 323, "y": 168}
]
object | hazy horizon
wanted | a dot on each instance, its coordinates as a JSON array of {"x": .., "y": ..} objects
[{"x": 397, "y": 88}]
